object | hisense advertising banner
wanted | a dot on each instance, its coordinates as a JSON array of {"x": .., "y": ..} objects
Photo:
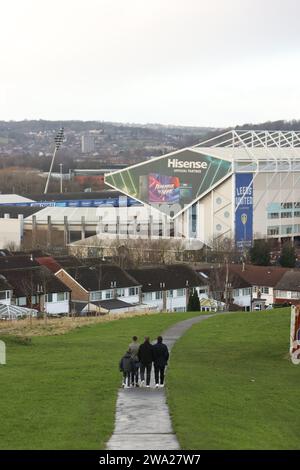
[
  {"x": 172, "y": 181},
  {"x": 243, "y": 210}
]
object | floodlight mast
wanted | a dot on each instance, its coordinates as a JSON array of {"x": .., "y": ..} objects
[{"x": 58, "y": 141}]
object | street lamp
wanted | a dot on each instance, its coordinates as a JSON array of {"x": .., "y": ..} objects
[{"x": 58, "y": 141}]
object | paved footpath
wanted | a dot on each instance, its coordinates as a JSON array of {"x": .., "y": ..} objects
[{"x": 142, "y": 415}]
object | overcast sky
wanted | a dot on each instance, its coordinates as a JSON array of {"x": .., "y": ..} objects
[{"x": 190, "y": 62}]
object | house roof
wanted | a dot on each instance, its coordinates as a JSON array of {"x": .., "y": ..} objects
[
  {"x": 106, "y": 305},
  {"x": 67, "y": 261},
  {"x": 267, "y": 276},
  {"x": 174, "y": 276},
  {"x": 18, "y": 261},
  {"x": 49, "y": 262},
  {"x": 33, "y": 280},
  {"x": 290, "y": 281},
  {"x": 4, "y": 284},
  {"x": 217, "y": 278},
  {"x": 101, "y": 276},
  {"x": 112, "y": 304},
  {"x": 239, "y": 277}
]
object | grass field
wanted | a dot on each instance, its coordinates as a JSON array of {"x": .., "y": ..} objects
[
  {"x": 231, "y": 384},
  {"x": 59, "y": 392}
]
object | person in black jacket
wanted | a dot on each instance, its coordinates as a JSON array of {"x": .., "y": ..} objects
[
  {"x": 145, "y": 356},
  {"x": 160, "y": 359}
]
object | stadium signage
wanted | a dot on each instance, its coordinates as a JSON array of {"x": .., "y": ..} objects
[
  {"x": 175, "y": 163},
  {"x": 173, "y": 182},
  {"x": 243, "y": 210}
]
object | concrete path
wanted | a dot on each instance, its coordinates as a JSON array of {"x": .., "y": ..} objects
[{"x": 142, "y": 414}]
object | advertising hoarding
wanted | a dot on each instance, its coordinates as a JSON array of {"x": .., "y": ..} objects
[
  {"x": 295, "y": 335},
  {"x": 175, "y": 180},
  {"x": 243, "y": 210}
]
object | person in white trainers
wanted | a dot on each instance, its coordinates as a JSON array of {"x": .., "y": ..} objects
[
  {"x": 134, "y": 349},
  {"x": 146, "y": 359},
  {"x": 160, "y": 359}
]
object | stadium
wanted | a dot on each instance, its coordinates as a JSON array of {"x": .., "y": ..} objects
[{"x": 240, "y": 185}]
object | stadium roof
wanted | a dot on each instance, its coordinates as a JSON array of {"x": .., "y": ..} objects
[
  {"x": 253, "y": 145},
  {"x": 13, "y": 198},
  {"x": 103, "y": 194},
  {"x": 254, "y": 138},
  {"x": 91, "y": 214}
]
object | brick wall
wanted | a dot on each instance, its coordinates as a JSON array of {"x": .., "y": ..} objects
[{"x": 78, "y": 293}]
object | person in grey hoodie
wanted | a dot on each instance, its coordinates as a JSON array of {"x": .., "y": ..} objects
[{"x": 134, "y": 349}]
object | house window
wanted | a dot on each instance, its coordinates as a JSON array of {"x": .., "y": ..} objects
[
  {"x": 202, "y": 291},
  {"x": 170, "y": 293},
  {"x": 282, "y": 294},
  {"x": 247, "y": 291},
  {"x": 133, "y": 290},
  {"x": 61, "y": 296},
  {"x": 180, "y": 292},
  {"x": 49, "y": 298},
  {"x": 158, "y": 295},
  {"x": 236, "y": 292},
  {"x": 265, "y": 290},
  {"x": 147, "y": 296},
  {"x": 96, "y": 295},
  {"x": 121, "y": 292},
  {"x": 109, "y": 294},
  {"x": 21, "y": 301},
  {"x": 3, "y": 295}
]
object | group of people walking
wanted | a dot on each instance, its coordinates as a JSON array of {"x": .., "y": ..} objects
[{"x": 138, "y": 360}]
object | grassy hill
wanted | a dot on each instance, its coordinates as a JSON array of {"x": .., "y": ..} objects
[
  {"x": 59, "y": 392},
  {"x": 231, "y": 384}
]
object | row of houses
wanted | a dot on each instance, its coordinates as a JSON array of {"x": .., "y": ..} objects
[
  {"x": 66, "y": 284},
  {"x": 254, "y": 287}
]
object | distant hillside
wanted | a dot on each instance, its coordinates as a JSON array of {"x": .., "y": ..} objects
[{"x": 114, "y": 142}]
